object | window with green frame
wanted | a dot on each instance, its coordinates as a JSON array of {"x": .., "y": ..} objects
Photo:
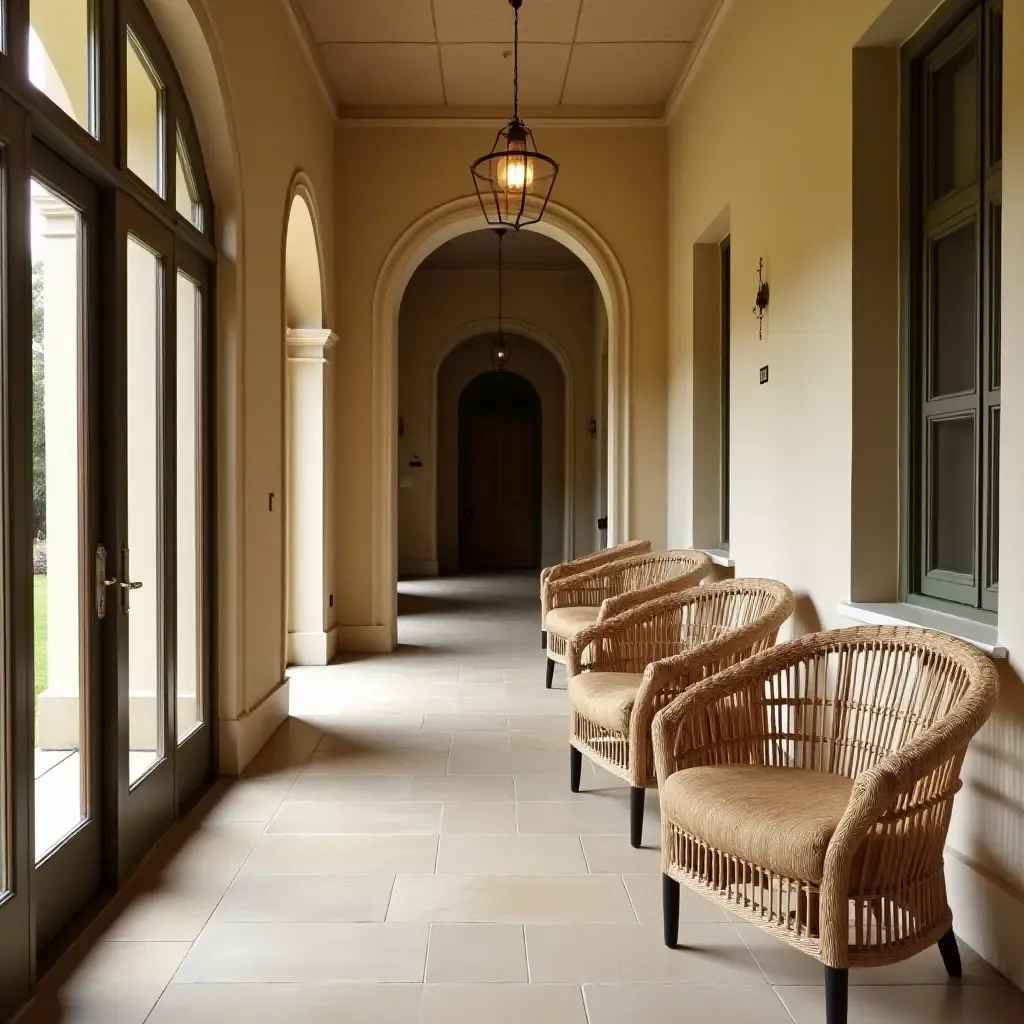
[{"x": 951, "y": 542}]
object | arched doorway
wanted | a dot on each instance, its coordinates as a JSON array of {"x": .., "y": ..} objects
[
  {"x": 500, "y": 483},
  {"x": 453, "y": 220},
  {"x": 307, "y": 425}
]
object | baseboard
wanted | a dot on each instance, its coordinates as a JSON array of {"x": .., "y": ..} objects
[
  {"x": 312, "y": 648},
  {"x": 241, "y": 739},
  {"x": 987, "y": 914},
  {"x": 417, "y": 567},
  {"x": 364, "y": 639}
]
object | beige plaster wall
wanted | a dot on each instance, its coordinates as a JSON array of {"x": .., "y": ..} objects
[
  {"x": 387, "y": 179},
  {"x": 537, "y": 365},
  {"x": 439, "y": 305},
  {"x": 766, "y": 130},
  {"x": 262, "y": 117}
]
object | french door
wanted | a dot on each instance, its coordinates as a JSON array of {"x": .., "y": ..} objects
[
  {"x": 105, "y": 645},
  {"x": 154, "y": 567}
]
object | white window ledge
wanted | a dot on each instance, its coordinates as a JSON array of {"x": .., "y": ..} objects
[
  {"x": 720, "y": 556},
  {"x": 979, "y": 634}
]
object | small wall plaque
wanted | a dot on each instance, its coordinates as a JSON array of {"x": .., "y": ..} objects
[
  {"x": 416, "y": 462},
  {"x": 764, "y": 374}
]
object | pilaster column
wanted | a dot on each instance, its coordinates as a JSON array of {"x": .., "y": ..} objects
[{"x": 312, "y": 639}]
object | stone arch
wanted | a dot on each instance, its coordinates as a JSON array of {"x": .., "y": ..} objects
[
  {"x": 304, "y": 285},
  {"x": 433, "y": 229}
]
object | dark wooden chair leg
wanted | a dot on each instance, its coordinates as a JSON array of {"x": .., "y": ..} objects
[
  {"x": 837, "y": 982},
  {"x": 543, "y": 640},
  {"x": 670, "y": 910},
  {"x": 636, "y": 815},
  {"x": 575, "y": 768},
  {"x": 549, "y": 678},
  {"x": 951, "y": 955}
]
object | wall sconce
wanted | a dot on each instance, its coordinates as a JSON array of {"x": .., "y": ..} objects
[
  {"x": 592, "y": 428},
  {"x": 761, "y": 300},
  {"x": 401, "y": 428}
]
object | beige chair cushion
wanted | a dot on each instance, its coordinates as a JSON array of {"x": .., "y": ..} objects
[
  {"x": 780, "y": 818},
  {"x": 568, "y": 622},
  {"x": 605, "y": 698}
]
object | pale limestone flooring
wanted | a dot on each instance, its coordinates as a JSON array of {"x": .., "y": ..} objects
[{"x": 407, "y": 851}]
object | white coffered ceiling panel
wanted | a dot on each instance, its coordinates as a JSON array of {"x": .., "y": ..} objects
[
  {"x": 623, "y": 73},
  {"x": 574, "y": 54},
  {"x": 387, "y": 73},
  {"x": 490, "y": 21},
  {"x": 370, "y": 21},
  {"x": 480, "y": 74},
  {"x": 621, "y": 21}
]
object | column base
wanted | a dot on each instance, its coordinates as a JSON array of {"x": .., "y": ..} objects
[
  {"x": 312, "y": 648},
  {"x": 241, "y": 739}
]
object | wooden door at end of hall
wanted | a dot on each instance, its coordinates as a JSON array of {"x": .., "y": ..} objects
[{"x": 499, "y": 490}]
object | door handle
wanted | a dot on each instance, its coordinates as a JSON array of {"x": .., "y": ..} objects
[
  {"x": 126, "y": 584},
  {"x": 102, "y": 582}
]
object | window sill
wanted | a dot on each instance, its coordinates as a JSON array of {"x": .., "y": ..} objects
[
  {"x": 979, "y": 635},
  {"x": 720, "y": 556}
]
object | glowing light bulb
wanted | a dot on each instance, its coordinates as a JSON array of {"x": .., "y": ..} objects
[{"x": 515, "y": 171}]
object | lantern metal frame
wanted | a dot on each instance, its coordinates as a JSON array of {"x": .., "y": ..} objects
[{"x": 523, "y": 201}]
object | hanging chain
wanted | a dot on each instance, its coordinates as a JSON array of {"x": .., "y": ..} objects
[
  {"x": 515, "y": 69},
  {"x": 501, "y": 236}
]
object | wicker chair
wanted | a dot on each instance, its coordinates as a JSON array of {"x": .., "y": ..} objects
[
  {"x": 639, "y": 661},
  {"x": 556, "y": 572},
  {"x": 578, "y": 601},
  {"x": 809, "y": 790}
]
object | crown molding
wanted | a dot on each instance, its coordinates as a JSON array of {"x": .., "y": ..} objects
[
  {"x": 709, "y": 27},
  {"x": 300, "y": 26},
  {"x": 656, "y": 121}
]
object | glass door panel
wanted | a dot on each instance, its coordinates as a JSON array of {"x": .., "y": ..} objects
[
  {"x": 140, "y": 558},
  {"x": 189, "y": 508},
  {"x": 62, "y": 518},
  {"x": 142, "y": 449},
  {"x": 59, "y": 521}
]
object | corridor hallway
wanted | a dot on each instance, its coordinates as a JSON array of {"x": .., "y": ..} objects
[{"x": 412, "y": 823}]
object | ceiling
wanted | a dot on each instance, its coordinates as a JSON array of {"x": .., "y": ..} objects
[
  {"x": 524, "y": 247},
  {"x": 420, "y": 55}
]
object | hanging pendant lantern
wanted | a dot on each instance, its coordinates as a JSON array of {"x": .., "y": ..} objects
[
  {"x": 514, "y": 181},
  {"x": 500, "y": 352}
]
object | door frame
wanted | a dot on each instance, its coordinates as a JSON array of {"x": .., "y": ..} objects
[{"x": 17, "y": 839}]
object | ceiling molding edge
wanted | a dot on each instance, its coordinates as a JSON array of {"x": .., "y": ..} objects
[
  {"x": 698, "y": 51},
  {"x": 492, "y": 123},
  {"x": 300, "y": 26}
]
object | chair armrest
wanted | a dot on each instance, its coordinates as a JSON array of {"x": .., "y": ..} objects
[
  {"x": 665, "y": 680},
  {"x": 700, "y": 712},
  {"x": 613, "y": 606},
  {"x": 585, "y": 563},
  {"x": 624, "y": 629}
]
